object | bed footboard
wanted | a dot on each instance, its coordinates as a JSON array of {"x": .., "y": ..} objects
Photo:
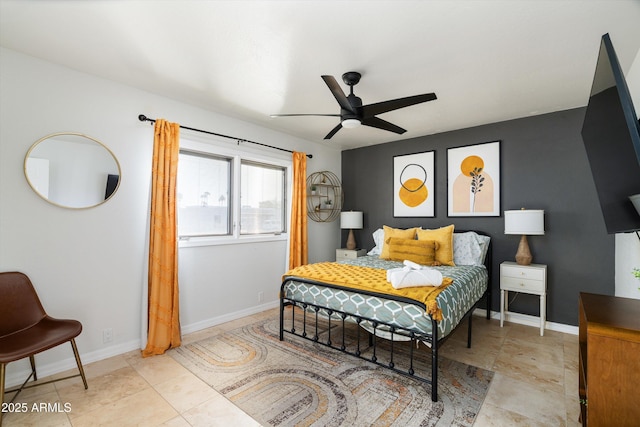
[{"x": 331, "y": 328}]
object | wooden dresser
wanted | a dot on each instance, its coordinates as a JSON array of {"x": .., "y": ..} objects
[{"x": 609, "y": 371}]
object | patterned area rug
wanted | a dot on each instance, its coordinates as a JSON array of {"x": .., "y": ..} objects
[{"x": 301, "y": 383}]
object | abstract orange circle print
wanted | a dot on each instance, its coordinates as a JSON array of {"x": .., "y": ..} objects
[
  {"x": 472, "y": 188},
  {"x": 413, "y": 182}
]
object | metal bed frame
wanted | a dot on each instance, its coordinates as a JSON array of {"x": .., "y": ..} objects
[{"x": 312, "y": 333}]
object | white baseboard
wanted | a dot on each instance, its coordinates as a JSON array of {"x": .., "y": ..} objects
[
  {"x": 207, "y": 323},
  {"x": 19, "y": 373},
  {"x": 525, "y": 319},
  {"x": 44, "y": 370},
  {"x": 16, "y": 378}
]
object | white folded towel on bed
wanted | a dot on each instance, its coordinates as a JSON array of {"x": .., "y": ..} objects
[
  {"x": 413, "y": 274},
  {"x": 413, "y": 265}
]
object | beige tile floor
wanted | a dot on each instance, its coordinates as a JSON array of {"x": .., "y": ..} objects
[{"x": 535, "y": 384}]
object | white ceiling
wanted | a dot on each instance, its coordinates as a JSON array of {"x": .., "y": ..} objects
[{"x": 487, "y": 61}]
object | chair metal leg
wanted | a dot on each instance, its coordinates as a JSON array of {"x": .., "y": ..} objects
[
  {"x": 33, "y": 367},
  {"x": 79, "y": 363},
  {"x": 17, "y": 390}
]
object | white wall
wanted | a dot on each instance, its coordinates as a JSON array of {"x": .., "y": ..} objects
[
  {"x": 628, "y": 244},
  {"x": 88, "y": 264}
]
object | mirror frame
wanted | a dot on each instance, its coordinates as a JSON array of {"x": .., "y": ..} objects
[{"x": 53, "y": 135}]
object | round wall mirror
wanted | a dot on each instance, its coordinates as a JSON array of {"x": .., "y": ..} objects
[{"x": 72, "y": 170}]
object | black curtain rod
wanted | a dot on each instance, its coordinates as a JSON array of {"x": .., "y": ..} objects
[{"x": 144, "y": 118}]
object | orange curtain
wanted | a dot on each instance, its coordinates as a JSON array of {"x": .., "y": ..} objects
[
  {"x": 298, "y": 254},
  {"x": 164, "y": 315}
]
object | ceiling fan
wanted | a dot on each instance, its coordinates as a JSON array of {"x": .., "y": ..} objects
[{"x": 353, "y": 113}]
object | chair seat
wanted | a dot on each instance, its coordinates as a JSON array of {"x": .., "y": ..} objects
[{"x": 47, "y": 333}]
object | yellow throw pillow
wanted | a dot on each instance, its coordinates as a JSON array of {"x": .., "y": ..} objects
[
  {"x": 422, "y": 252},
  {"x": 444, "y": 236},
  {"x": 409, "y": 233}
]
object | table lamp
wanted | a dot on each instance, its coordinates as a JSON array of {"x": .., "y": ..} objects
[
  {"x": 527, "y": 223},
  {"x": 351, "y": 220}
]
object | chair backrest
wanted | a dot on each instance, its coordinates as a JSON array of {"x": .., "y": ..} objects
[{"x": 20, "y": 306}]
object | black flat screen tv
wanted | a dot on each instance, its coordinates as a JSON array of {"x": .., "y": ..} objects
[{"x": 611, "y": 135}]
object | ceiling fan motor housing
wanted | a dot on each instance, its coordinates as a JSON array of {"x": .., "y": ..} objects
[
  {"x": 356, "y": 104},
  {"x": 346, "y": 114}
]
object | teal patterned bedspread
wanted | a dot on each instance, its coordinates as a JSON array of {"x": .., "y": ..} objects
[{"x": 469, "y": 284}]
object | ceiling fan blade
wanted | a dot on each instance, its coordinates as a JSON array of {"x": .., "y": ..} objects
[
  {"x": 333, "y": 131},
  {"x": 298, "y": 115},
  {"x": 376, "y": 122},
  {"x": 337, "y": 92},
  {"x": 394, "y": 104}
]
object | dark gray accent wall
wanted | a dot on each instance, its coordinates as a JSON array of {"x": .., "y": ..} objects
[{"x": 543, "y": 166}]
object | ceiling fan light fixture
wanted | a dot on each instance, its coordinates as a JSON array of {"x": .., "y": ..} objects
[{"x": 350, "y": 123}]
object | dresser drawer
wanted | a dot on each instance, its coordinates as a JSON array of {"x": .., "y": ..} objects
[
  {"x": 522, "y": 272},
  {"x": 522, "y": 285}
]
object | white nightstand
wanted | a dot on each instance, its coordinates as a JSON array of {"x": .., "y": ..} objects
[
  {"x": 529, "y": 279},
  {"x": 349, "y": 253}
]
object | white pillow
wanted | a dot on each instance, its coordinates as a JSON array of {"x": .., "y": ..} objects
[
  {"x": 469, "y": 248},
  {"x": 378, "y": 240},
  {"x": 484, "y": 244}
]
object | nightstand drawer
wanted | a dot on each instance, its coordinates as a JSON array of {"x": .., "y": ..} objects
[
  {"x": 349, "y": 253},
  {"x": 522, "y": 285},
  {"x": 522, "y": 273}
]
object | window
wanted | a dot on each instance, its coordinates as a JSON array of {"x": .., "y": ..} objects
[
  {"x": 228, "y": 197},
  {"x": 204, "y": 205},
  {"x": 262, "y": 198}
]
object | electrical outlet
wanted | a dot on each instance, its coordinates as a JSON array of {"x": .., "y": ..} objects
[
  {"x": 260, "y": 296},
  {"x": 107, "y": 335}
]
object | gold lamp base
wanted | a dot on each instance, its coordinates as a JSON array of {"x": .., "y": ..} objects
[{"x": 523, "y": 256}]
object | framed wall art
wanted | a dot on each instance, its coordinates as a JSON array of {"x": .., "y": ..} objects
[
  {"x": 413, "y": 185},
  {"x": 473, "y": 180}
]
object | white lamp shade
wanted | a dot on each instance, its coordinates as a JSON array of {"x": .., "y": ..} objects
[
  {"x": 351, "y": 220},
  {"x": 526, "y": 222}
]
